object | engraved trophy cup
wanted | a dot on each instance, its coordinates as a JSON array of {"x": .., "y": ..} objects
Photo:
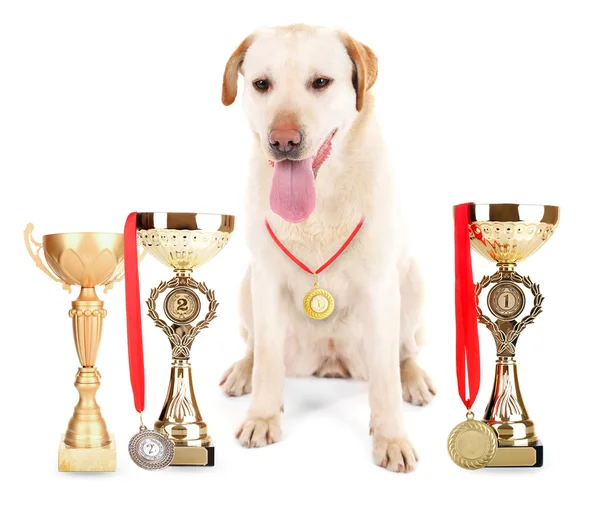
[
  {"x": 507, "y": 234},
  {"x": 86, "y": 260},
  {"x": 183, "y": 242}
]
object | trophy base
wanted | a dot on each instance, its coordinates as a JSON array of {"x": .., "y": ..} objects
[
  {"x": 90, "y": 459},
  {"x": 524, "y": 456},
  {"x": 190, "y": 456}
]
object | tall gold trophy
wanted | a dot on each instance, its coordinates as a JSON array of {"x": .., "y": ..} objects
[
  {"x": 86, "y": 260},
  {"x": 507, "y": 234},
  {"x": 183, "y": 242}
]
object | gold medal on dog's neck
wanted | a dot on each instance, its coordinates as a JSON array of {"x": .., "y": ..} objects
[{"x": 318, "y": 302}]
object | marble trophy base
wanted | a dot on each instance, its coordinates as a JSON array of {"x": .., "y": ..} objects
[{"x": 91, "y": 459}]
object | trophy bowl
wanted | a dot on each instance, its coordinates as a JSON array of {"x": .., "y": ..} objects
[
  {"x": 507, "y": 233},
  {"x": 184, "y": 241},
  {"x": 84, "y": 259}
]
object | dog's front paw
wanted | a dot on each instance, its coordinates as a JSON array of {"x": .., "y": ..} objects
[
  {"x": 237, "y": 380},
  {"x": 395, "y": 454},
  {"x": 258, "y": 432},
  {"x": 417, "y": 386}
]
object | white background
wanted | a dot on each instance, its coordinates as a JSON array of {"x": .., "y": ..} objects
[{"x": 114, "y": 106}]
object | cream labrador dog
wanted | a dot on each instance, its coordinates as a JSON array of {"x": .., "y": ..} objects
[{"x": 319, "y": 166}]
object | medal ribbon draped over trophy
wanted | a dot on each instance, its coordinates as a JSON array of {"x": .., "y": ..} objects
[
  {"x": 182, "y": 242},
  {"x": 505, "y": 234}
]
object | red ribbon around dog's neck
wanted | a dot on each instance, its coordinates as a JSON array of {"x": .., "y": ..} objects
[
  {"x": 467, "y": 338},
  {"x": 134, "y": 314},
  {"x": 302, "y": 265}
]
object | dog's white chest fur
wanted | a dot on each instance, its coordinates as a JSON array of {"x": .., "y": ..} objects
[{"x": 346, "y": 192}]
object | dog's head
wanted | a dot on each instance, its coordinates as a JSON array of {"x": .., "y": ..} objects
[{"x": 302, "y": 86}]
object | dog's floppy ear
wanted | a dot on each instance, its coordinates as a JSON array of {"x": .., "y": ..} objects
[
  {"x": 230, "y": 76},
  {"x": 365, "y": 67}
]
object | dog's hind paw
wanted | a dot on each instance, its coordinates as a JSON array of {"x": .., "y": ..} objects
[
  {"x": 417, "y": 387},
  {"x": 395, "y": 454},
  {"x": 237, "y": 380},
  {"x": 259, "y": 432}
]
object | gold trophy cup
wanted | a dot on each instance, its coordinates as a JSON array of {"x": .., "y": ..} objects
[
  {"x": 507, "y": 234},
  {"x": 183, "y": 242},
  {"x": 86, "y": 260}
]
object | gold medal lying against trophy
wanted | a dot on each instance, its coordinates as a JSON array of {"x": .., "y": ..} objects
[{"x": 472, "y": 444}]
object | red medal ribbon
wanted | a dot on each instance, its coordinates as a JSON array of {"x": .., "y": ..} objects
[
  {"x": 328, "y": 262},
  {"x": 467, "y": 338},
  {"x": 134, "y": 314}
]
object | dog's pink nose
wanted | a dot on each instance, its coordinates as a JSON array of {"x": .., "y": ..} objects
[{"x": 285, "y": 140}]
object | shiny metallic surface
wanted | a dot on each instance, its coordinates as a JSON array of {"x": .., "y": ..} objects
[
  {"x": 185, "y": 221},
  {"x": 151, "y": 450},
  {"x": 180, "y": 418},
  {"x": 509, "y": 233},
  {"x": 472, "y": 444},
  {"x": 506, "y": 411},
  {"x": 184, "y": 241},
  {"x": 318, "y": 303},
  {"x": 506, "y": 301},
  {"x": 86, "y": 260}
]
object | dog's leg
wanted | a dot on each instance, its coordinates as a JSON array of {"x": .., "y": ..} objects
[
  {"x": 237, "y": 380},
  {"x": 391, "y": 447},
  {"x": 417, "y": 386},
  {"x": 262, "y": 424}
]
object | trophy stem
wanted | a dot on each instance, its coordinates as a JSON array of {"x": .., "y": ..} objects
[
  {"x": 506, "y": 411},
  {"x": 506, "y": 267},
  {"x": 180, "y": 417},
  {"x": 87, "y": 428}
]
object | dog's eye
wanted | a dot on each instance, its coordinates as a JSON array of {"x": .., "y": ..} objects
[
  {"x": 261, "y": 85},
  {"x": 321, "y": 82}
]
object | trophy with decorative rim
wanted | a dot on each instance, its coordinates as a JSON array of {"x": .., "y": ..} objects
[
  {"x": 182, "y": 242},
  {"x": 86, "y": 260},
  {"x": 505, "y": 234}
]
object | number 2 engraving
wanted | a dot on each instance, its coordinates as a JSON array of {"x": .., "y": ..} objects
[{"x": 182, "y": 304}]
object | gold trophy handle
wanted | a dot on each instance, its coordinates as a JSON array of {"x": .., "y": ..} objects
[
  {"x": 110, "y": 284},
  {"x": 34, "y": 247}
]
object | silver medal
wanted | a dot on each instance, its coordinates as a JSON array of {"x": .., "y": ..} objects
[{"x": 151, "y": 450}]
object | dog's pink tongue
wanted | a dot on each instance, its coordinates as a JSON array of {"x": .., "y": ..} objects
[{"x": 293, "y": 194}]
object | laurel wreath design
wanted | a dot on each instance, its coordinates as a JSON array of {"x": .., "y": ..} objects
[
  {"x": 484, "y": 429},
  {"x": 181, "y": 345},
  {"x": 505, "y": 342},
  {"x": 314, "y": 314}
]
